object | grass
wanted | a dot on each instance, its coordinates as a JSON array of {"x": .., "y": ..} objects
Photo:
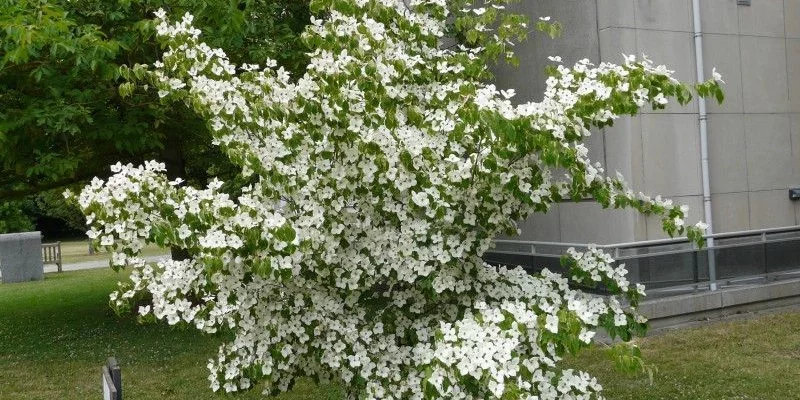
[
  {"x": 76, "y": 251},
  {"x": 756, "y": 358},
  {"x": 56, "y": 334}
]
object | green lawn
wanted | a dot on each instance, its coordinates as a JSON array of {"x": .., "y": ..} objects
[
  {"x": 757, "y": 358},
  {"x": 55, "y": 335}
]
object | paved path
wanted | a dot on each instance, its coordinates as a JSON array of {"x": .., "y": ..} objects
[{"x": 95, "y": 264}]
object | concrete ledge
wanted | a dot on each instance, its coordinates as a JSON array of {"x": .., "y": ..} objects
[
  {"x": 682, "y": 309},
  {"x": 770, "y": 291},
  {"x": 683, "y": 304}
]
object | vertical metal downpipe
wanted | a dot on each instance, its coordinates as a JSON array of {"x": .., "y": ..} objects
[{"x": 703, "y": 119}]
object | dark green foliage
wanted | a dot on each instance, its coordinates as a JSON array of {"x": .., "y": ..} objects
[
  {"x": 62, "y": 119},
  {"x": 52, "y": 204},
  {"x": 13, "y": 218}
]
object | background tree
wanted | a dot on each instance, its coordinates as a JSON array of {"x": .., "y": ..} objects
[
  {"x": 62, "y": 119},
  {"x": 13, "y": 217}
]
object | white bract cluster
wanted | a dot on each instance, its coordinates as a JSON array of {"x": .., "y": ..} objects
[{"x": 380, "y": 176}]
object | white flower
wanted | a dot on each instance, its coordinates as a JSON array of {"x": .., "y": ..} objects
[
  {"x": 586, "y": 336},
  {"x": 554, "y": 58},
  {"x": 551, "y": 323},
  {"x": 118, "y": 259},
  {"x": 420, "y": 198},
  {"x": 629, "y": 59},
  {"x": 107, "y": 240},
  {"x": 508, "y": 93},
  {"x": 716, "y": 75}
]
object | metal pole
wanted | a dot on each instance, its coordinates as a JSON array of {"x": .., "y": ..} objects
[{"x": 703, "y": 119}]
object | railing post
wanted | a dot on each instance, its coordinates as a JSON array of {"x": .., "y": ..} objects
[
  {"x": 696, "y": 269},
  {"x": 712, "y": 265},
  {"x": 766, "y": 263}
]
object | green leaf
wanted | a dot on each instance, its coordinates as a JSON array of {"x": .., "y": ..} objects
[
  {"x": 126, "y": 89},
  {"x": 718, "y": 94},
  {"x": 472, "y": 36},
  {"x": 262, "y": 267},
  {"x": 286, "y": 233},
  {"x": 555, "y": 30}
]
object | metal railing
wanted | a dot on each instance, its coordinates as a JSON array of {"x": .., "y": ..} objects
[{"x": 676, "y": 266}]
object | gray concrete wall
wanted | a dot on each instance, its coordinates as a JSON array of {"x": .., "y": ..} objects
[
  {"x": 755, "y": 149},
  {"x": 676, "y": 310},
  {"x": 580, "y": 39},
  {"x": 754, "y": 136},
  {"x": 21, "y": 257},
  {"x": 661, "y": 148}
]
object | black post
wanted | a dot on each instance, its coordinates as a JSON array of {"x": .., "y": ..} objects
[{"x": 116, "y": 375}]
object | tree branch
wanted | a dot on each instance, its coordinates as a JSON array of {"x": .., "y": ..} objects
[{"x": 15, "y": 194}]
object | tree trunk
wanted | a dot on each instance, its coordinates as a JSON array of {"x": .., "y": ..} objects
[{"x": 174, "y": 160}]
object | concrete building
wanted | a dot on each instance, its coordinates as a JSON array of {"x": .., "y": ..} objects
[{"x": 753, "y": 137}]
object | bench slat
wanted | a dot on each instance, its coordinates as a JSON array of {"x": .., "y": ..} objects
[{"x": 51, "y": 254}]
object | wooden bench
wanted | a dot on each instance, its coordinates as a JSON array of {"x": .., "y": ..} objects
[{"x": 51, "y": 254}]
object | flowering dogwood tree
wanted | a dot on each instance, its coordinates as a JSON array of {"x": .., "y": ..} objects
[{"x": 380, "y": 177}]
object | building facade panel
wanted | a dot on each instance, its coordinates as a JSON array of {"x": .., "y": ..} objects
[
  {"x": 674, "y": 49},
  {"x": 624, "y": 149},
  {"x": 655, "y": 230},
  {"x": 727, "y": 153},
  {"x": 614, "y": 42},
  {"x": 792, "y": 18},
  {"x": 769, "y": 151},
  {"x": 762, "y": 18},
  {"x": 671, "y": 154},
  {"x": 588, "y": 222},
  {"x": 722, "y": 53},
  {"x": 672, "y": 15},
  {"x": 579, "y": 40},
  {"x": 794, "y": 126},
  {"x": 764, "y": 80},
  {"x": 720, "y": 16},
  {"x": 792, "y": 66},
  {"x": 771, "y": 209},
  {"x": 754, "y": 137},
  {"x": 541, "y": 227},
  {"x": 615, "y": 14},
  {"x": 731, "y": 211}
]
